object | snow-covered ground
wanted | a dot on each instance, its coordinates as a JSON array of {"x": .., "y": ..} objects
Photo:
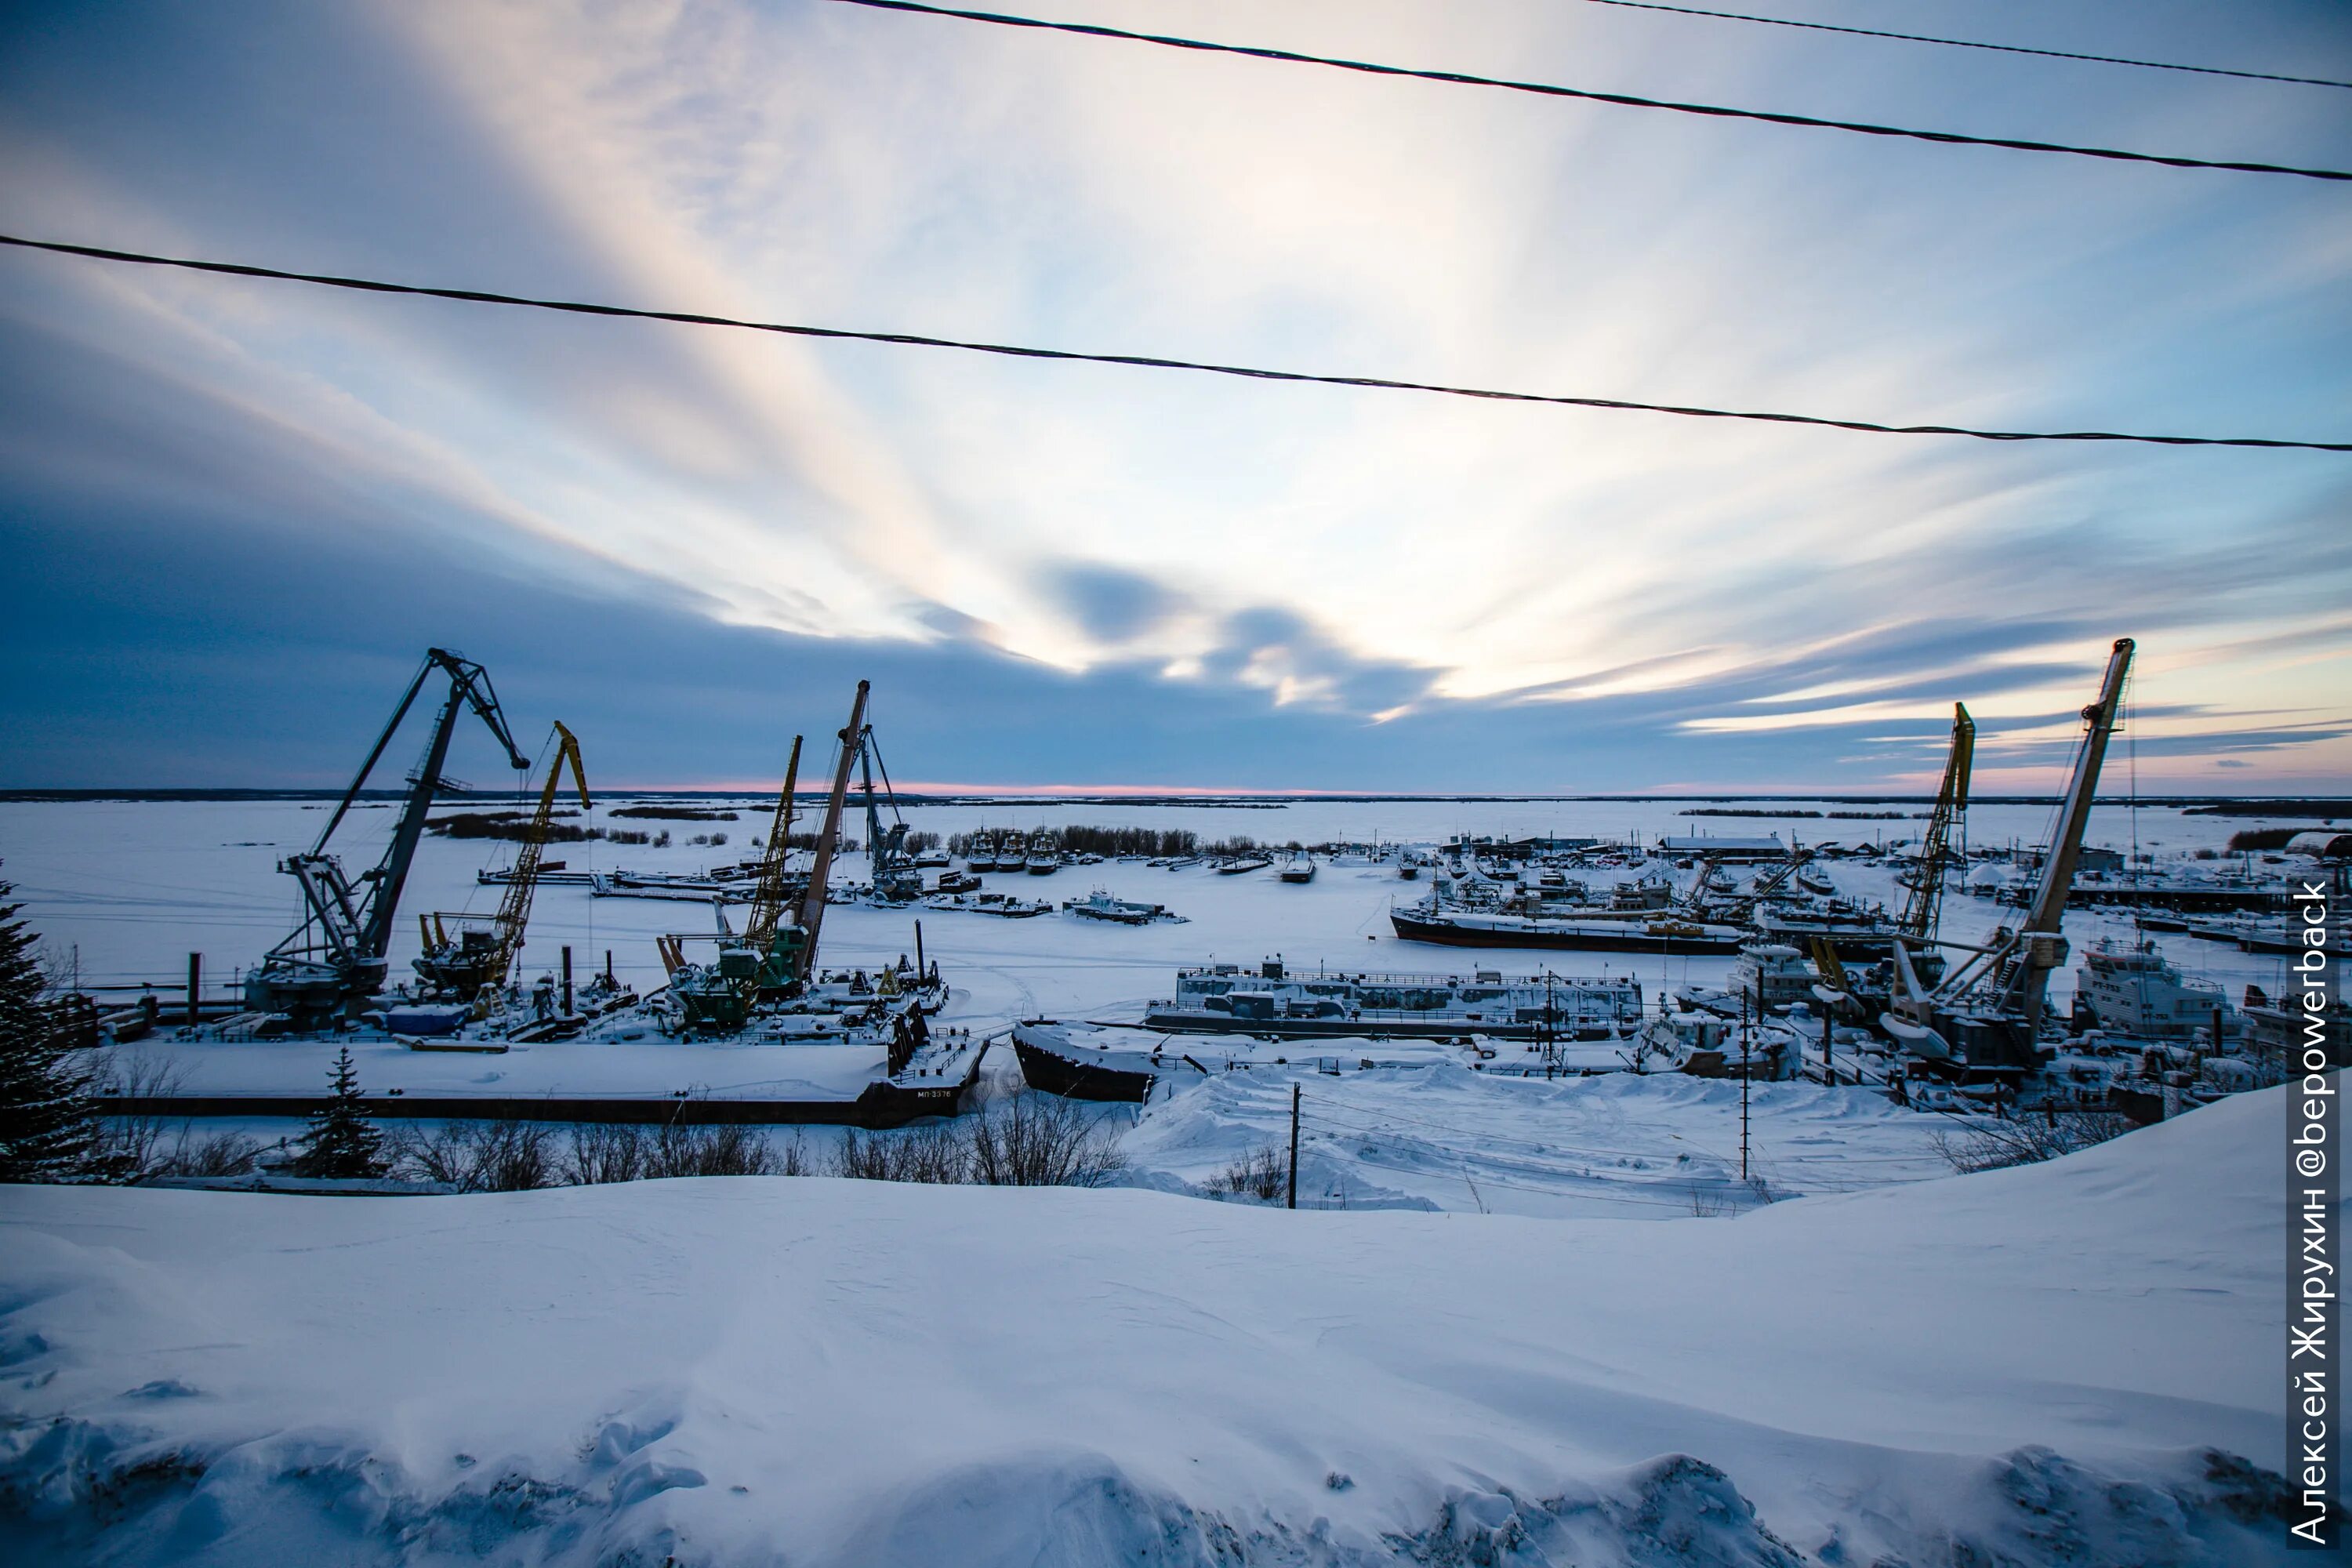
[
  {"x": 1449, "y": 1137},
  {"x": 2067, "y": 1363}
]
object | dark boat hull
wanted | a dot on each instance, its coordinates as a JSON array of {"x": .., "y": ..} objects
[
  {"x": 1385, "y": 1027},
  {"x": 1074, "y": 1078},
  {"x": 1595, "y": 937}
]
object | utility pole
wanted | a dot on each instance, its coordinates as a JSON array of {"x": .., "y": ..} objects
[
  {"x": 1746, "y": 1036},
  {"x": 1293, "y": 1202},
  {"x": 567, "y": 981}
]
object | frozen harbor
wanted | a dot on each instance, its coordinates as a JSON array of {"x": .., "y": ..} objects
[{"x": 122, "y": 890}]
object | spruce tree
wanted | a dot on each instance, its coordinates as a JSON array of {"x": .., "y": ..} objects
[
  {"x": 48, "y": 1123},
  {"x": 342, "y": 1141}
]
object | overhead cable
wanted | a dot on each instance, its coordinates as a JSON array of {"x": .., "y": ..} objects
[
  {"x": 1623, "y": 100},
  {"x": 1972, "y": 44},
  {"x": 1144, "y": 361}
]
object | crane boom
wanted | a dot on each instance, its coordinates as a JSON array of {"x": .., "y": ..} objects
[
  {"x": 514, "y": 910},
  {"x": 337, "y": 955},
  {"x": 1922, "y": 910},
  {"x": 768, "y": 903},
  {"x": 1987, "y": 1013},
  {"x": 811, "y": 910}
]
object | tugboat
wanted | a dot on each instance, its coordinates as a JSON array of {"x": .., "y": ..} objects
[
  {"x": 1099, "y": 905},
  {"x": 1776, "y": 974},
  {"x": 1044, "y": 855},
  {"x": 1301, "y": 868}
]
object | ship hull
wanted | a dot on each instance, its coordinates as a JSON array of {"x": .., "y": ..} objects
[
  {"x": 1599, "y": 936},
  {"x": 1075, "y": 1073}
]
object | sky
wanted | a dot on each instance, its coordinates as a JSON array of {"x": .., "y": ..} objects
[{"x": 235, "y": 512}]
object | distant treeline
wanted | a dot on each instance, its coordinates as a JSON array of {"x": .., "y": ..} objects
[
  {"x": 514, "y": 826},
  {"x": 1111, "y": 843},
  {"x": 2324, "y": 809},
  {"x": 1834, "y": 815},
  {"x": 2263, "y": 837},
  {"x": 1104, "y": 841},
  {"x": 674, "y": 813}
]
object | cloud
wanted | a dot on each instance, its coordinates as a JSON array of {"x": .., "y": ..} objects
[{"x": 1198, "y": 578}]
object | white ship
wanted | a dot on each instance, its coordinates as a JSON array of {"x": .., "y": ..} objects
[{"x": 2131, "y": 988}]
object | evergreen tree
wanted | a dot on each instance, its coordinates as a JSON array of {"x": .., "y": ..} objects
[
  {"x": 47, "y": 1122},
  {"x": 342, "y": 1141}
]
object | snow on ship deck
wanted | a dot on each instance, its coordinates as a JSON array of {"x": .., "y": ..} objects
[
  {"x": 634, "y": 1075},
  {"x": 1115, "y": 1062}
]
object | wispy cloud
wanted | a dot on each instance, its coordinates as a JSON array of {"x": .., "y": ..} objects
[{"x": 1210, "y": 579}]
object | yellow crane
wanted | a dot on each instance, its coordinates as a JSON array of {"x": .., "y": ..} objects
[
  {"x": 475, "y": 966},
  {"x": 717, "y": 998},
  {"x": 1921, "y": 910}
]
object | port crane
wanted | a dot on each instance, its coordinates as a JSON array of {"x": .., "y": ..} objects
[
  {"x": 1923, "y": 909},
  {"x": 478, "y": 963},
  {"x": 777, "y": 955},
  {"x": 1733, "y": 909},
  {"x": 1983, "y": 1019},
  {"x": 335, "y": 959},
  {"x": 717, "y": 998},
  {"x": 895, "y": 876}
]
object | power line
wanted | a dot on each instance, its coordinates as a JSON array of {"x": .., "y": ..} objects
[
  {"x": 1628, "y": 100},
  {"x": 1148, "y": 362},
  {"x": 1971, "y": 43}
]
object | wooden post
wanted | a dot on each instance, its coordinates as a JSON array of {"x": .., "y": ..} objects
[
  {"x": 1293, "y": 1202},
  {"x": 920, "y": 972},
  {"x": 608, "y": 969},
  {"x": 567, "y": 981},
  {"x": 196, "y": 986},
  {"x": 1829, "y": 1062}
]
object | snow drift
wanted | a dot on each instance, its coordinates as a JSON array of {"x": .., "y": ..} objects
[{"x": 2072, "y": 1362}]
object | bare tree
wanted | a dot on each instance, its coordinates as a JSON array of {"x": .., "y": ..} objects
[
  {"x": 131, "y": 1148},
  {"x": 1042, "y": 1141},
  {"x": 619, "y": 1152},
  {"x": 2028, "y": 1139},
  {"x": 504, "y": 1156},
  {"x": 935, "y": 1154}
]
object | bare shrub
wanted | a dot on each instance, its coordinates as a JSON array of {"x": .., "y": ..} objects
[
  {"x": 504, "y": 1156},
  {"x": 728, "y": 1149},
  {"x": 212, "y": 1154},
  {"x": 131, "y": 1148},
  {"x": 1042, "y": 1141},
  {"x": 935, "y": 1154},
  {"x": 2027, "y": 1140},
  {"x": 1262, "y": 1173},
  {"x": 604, "y": 1151}
]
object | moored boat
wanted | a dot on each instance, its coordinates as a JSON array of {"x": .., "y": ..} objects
[{"x": 1453, "y": 925}]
